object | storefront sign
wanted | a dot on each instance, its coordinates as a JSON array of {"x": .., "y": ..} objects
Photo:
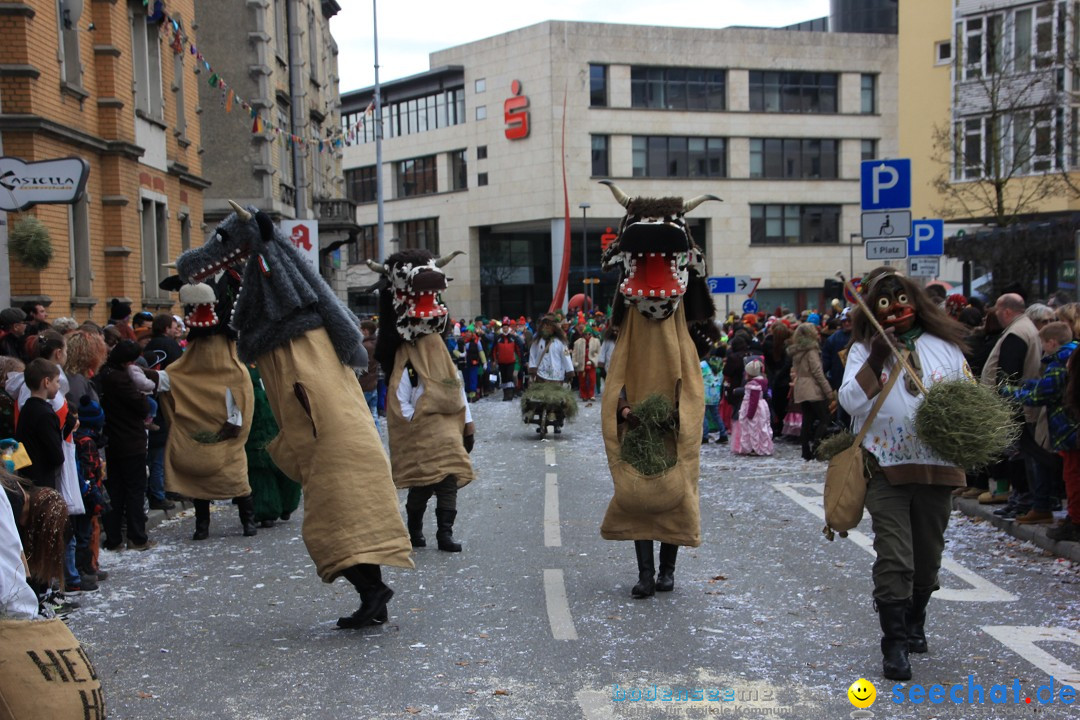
[
  {"x": 304, "y": 234},
  {"x": 23, "y": 185}
]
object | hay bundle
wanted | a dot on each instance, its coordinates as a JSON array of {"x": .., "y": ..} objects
[
  {"x": 834, "y": 445},
  {"x": 650, "y": 447},
  {"x": 549, "y": 395},
  {"x": 966, "y": 424}
]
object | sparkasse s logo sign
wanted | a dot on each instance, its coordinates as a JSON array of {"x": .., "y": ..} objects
[
  {"x": 23, "y": 185},
  {"x": 516, "y": 113}
]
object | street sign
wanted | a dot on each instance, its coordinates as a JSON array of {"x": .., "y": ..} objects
[
  {"x": 847, "y": 295},
  {"x": 304, "y": 234},
  {"x": 733, "y": 285},
  {"x": 886, "y": 249},
  {"x": 886, "y": 224},
  {"x": 927, "y": 238},
  {"x": 750, "y": 306},
  {"x": 886, "y": 184},
  {"x": 923, "y": 266}
]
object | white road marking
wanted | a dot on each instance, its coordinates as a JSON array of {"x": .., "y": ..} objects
[
  {"x": 981, "y": 590},
  {"x": 558, "y": 609},
  {"x": 595, "y": 704},
  {"x": 549, "y": 456},
  {"x": 1021, "y": 640},
  {"x": 552, "y": 532}
]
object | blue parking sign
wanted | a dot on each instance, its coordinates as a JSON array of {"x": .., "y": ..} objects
[
  {"x": 886, "y": 184},
  {"x": 927, "y": 238}
]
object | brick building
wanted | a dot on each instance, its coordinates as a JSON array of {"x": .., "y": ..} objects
[{"x": 101, "y": 80}]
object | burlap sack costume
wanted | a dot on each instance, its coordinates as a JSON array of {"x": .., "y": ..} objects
[
  {"x": 329, "y": 445},
  {"x": 653, "y": 357},
  {"x": 45, "y": 673},
  {"x": 196, "y": 403},
  {"x": 428, "y": 448}
]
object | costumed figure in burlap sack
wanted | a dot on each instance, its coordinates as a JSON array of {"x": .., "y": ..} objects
[
  {"x": 209, "y": 406},
  {"x": 662, "y": 292},
  {"x": 305, "y": 342},
  {"x": 427, "y": 414},
  {"x": 547, "y": 401}
]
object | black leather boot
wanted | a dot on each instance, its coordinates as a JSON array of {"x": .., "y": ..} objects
[
  {"x": 508, "y": 394},
  {"x": 374, "y": 595},
  {"x": 414, "y": 512},
  {"x": 246, "y": 508},
  {"x": 894, "y": 644},
  {"x": 202, "y": 519},
  {"x": 646, "y": 586},
  {"x": 916, "y": 622},
  {"x": 665, "y": 578},
  {"x": 445, "y": 530}
]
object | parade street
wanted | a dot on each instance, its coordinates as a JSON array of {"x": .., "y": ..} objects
[{"x": 534, "y": 619}]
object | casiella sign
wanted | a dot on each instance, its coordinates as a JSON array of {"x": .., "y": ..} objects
[
  {"x": 23, "y": 185},
  {"x": 516, "y": 113}
]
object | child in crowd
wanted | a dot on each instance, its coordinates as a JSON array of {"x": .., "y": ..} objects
[
  {"x": 147, "y": 387},
  {"x": 38, "y": 426},
  {"x": 713, "y": 390},
  {"x": 8, "y": 365},
  {"x": 752, "y": 434}
]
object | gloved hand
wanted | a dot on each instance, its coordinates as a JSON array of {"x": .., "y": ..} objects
[
  {"x": 627, "y": 416},
  {"x": 880, "y": 349},
  {"x": 469, "y": 436}
]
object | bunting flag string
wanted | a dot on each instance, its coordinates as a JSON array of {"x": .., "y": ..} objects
[{"x": 175, "y": 36}]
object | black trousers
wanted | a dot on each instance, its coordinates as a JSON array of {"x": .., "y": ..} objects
[
  {"x": 445, "y": 493},
  {"x": 126, "y": 483},
  {"x": 815, "y": 421}
]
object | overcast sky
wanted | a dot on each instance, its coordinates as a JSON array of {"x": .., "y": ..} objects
[{"x": 410, "y": 30}]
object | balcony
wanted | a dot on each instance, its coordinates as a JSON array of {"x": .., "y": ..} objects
[{"x": 337, "y": 214}]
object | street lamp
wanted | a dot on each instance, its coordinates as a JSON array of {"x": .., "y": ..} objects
[{"x": 584, "y": 252}]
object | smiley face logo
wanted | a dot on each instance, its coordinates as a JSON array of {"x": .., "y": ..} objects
[{"x": 862, "y": 693}]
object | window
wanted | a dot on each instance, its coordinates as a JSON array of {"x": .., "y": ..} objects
[
  {"x": 943, "y": 52},
  {"x": 793, "y": 92},
  {"x": 178, "y": 94},
  {"x": 600, "y": 155},
  {"x": 868, "y": 149},
  {"x": 794, "y": 158},
  {"x": 155, "y": 247},
  {"x": 366, "y": 245},
  {"x": 480, "y": 85},
  {"x": 68, "y": 50},
  {"x": 313, "y": 47},
  {"x": 481, "y": 112},
  {"x": 794, "y": 224},
  {"x": 419, "y": 234},
  {"x": 146, "y": 59},
  {"x": 1022, "y": 40},
  {"x": 481, "y": 179},
  {"x": 185, "y": 232},
  {"x": 598, "y": 86},
  {"x": 678, "y": 88},
  {"x": 316, "y": 162},
  {"x": 429, "y": 112},
  {"x": 285, "y": 166},
  {"x": 360, "y": 184},
  {"x": 868, "y": 95},
  {"x": 661, "y": 156},
  {"x": 416, "y": 177},
  {"x": 481, "y": 152},
  {"x": 281, "y": 32},
  {"x": 459, "y": 170},
  {"x": 79, "y": 246}
]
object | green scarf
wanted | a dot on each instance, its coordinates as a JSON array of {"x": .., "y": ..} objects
[{"x": 911, "y": 336}]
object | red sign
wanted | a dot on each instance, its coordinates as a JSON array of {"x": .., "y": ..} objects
[
  {"x": 606, "y": 239},
  {"x": 300, "y": 237},
  {"x": 516, "y": 113}
]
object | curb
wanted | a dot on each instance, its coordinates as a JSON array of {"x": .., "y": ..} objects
[{"x": 1035, "y": 534}]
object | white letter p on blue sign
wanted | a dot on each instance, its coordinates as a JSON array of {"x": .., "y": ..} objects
[{"x": 886, "y": 184}]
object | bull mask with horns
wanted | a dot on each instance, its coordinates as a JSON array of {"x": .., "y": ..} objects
[
  {"x": 654, "y": 252},
  {"x": 413, "y": 280}
]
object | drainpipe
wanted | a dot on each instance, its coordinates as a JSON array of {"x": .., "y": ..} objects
[{"x": 297, "y": 108}]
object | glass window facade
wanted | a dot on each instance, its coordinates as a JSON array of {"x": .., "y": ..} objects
[
  {"x": 662, "y": 156},
  {"x": 407, "y": 117},
  {"x": 794, "y": 224},
  {"x": 459, "y": 170},
  {"x": 678, "y": 88},
  {"x": 416, "y": 177},
  {"x": 366, "y": 246},
  {"x": 419, "y": 234},
  {"x": 794, "y": 158},
  {"x": 598, "y": 86},
  {"x": 600, "y": 146},
  {"x": 793, "y": 92},
  {"x": 360, "y": 184}
]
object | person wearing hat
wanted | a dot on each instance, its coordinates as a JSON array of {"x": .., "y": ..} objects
[
  {"x": 508, "y": 352},
  {"x": 120, "y": 318},
  {"x": 12, "y": 333}
]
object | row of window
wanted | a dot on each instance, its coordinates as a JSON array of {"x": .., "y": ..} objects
[
  {"x": 430, "y": 112},
  {"x": 1015, "y": 40},
  {"x": 1029, "y": 141},
  {"x": 412, "y": 177},
  {"x": 769, "y": 225},
  {"x": 781, "y": 158},
  {"x": 683, "y": 88}
]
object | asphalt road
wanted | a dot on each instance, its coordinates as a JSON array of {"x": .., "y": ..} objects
[{"x": 534, "y": 618}]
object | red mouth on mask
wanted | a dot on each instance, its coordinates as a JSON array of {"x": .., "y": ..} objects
[{"x": 652, "y": 275}]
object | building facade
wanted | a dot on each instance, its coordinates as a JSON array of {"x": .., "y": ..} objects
[
  {"x": 279, "y": 56},
  {"x": 775, "y": 122},
  {"x": 103, "y": 81}
]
